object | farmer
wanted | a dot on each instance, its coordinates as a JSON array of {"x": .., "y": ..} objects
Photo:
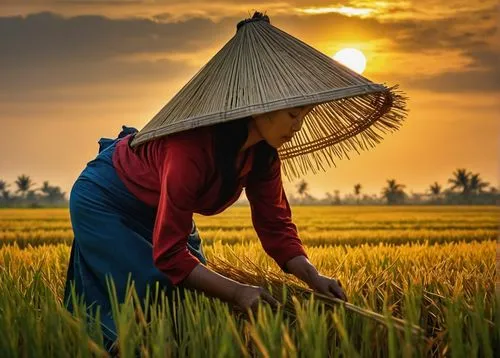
[{"x": 132, "y": 206}]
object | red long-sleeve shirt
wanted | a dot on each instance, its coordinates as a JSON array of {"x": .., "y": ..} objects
[{"x": 177, "y": 175}]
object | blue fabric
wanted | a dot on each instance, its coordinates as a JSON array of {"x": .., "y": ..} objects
[{"x": 112, "y": 236}]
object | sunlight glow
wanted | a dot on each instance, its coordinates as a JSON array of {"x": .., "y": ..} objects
[
  {"x": 344, "y": 10},
  {"x": 352, "y": 58}
]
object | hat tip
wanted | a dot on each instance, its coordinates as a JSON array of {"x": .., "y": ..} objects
[{"x": 257, "y": 16}]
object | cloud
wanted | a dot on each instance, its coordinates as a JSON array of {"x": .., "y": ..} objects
[
  {"x": 181, "y": 10},
  {"x": 44, "y": 52},
  {"x": 474, "y": 35},
  {"x": 469, "y": 81},
  {"x": 47, "y": 51},
  {"x": 173, "y": 10},
  {"x": 53, "y": 38}
]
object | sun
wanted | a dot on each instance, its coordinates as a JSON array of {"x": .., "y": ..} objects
[{"x": 352, "y": 58}]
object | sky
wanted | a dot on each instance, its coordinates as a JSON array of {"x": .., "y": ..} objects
[{"x": 74, "y": 71}]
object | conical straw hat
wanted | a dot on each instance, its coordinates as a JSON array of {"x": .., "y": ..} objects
[{"x": 263, "y": 69}]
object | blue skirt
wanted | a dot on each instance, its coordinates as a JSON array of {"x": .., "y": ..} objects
[{"x": 112, "y": 237}]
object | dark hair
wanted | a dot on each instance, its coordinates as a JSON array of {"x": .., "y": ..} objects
[{"x": 229, "y": 138}]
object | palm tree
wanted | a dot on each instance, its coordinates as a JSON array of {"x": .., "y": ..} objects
[
  {"x": 3, "y": 191},
  {"x": 435, "y": 190},
  {"x": 394, "y": 192},
  {"x": 52, "y": 193},
  {"x": 24, "y": 184},
  {"x": 6, "y": 195},
  {"x": 477, "y": 184},
  {"x": 337, "y": 197},
  {"x": 302, "y": 188},
  {"x": 3, "y": 185},
  {"x": 461, "y": 180},
  {"x": 357, "y": 192},
  {"x": 45, "y": 188}
]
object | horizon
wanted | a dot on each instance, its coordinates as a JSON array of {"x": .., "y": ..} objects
[{"x": 292, "y": 189}]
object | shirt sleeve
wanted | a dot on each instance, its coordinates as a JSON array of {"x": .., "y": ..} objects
[
  {"x": 181, "y": 177},
  {"x": 272, "y": 217}
]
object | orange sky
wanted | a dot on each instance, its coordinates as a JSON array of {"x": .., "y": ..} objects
[{"x": 75, "y": 71}]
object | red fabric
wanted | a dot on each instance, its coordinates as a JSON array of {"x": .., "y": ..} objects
[
  {"x": 272, "y": 217},
  {"x": 177, "y": 175}
]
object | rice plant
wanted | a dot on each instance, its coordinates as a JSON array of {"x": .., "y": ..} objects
[{"x": 407, "y": 297}]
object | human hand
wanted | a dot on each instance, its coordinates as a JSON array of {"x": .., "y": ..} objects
[
  {"x": 249, "y": 296},
  {"x": 328, "y": 286}
]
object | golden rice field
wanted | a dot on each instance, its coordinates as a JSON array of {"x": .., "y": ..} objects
[{"x": 420, "y": 282}]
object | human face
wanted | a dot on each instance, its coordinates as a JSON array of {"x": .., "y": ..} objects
[{"x": 279, "y": 127}]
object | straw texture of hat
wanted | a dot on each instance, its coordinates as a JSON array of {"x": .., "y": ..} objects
[{"x": 263, "y": 69}]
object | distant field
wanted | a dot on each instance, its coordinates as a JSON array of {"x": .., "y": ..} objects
[
  {"x": 433, "y": 267},
  {"x": 316, "y": 225}
]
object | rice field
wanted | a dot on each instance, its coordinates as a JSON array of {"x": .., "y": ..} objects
[{"x": 420, "y": 282}]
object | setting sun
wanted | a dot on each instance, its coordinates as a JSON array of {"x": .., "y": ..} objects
[{"x": 352, "y": 58}]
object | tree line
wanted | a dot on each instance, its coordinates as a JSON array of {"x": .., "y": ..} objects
[
  {"x": 26, "y": 194},
  {"x": 465, "y": 188}
]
